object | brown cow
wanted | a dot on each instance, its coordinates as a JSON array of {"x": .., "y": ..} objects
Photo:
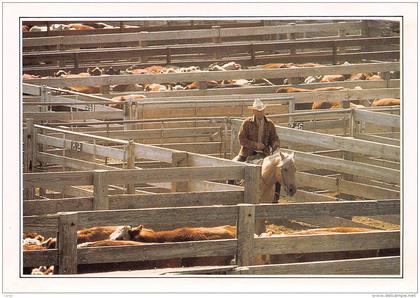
[
  {"x": 182, "y": 234},
  {"x": 374, "y": 78},
  {"x": 80, "y": 27},
  {"x": 386, "y": 102},
  {"x": 331, "y": 230},
  {"x": 326, "y": 105},
  {"x": 148, "y": 70},
  {"x": 291, "y": 90},
  {"x": 27, "y": 247},
  {"x": 189, "y": 234},
  {"x": 288, "y": 65}
]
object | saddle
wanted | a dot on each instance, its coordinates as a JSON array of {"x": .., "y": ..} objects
[{"x": 256, "y": 159}]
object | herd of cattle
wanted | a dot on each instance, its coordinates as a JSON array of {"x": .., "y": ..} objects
[
  {"x": 156, "y": 69},
  {"x": 135, "y": 236}
]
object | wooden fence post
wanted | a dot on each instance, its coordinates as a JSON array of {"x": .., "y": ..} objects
[
  {"x": 334, "y": 53},
  {"x": 349, "y": 155},
  {"x": 225, "y": 138},
  {"x": 131, "y": 159},
  {"x": 168, "y": 56},
  {"x": 342, "y": 34},
  {"x": 386, "y": 76},
  {"x": 216, "y": 39},
  {"x": 292, "y": 36},
  {"x": 138, "y": 115},
  {"x": 180, "y": 159},
  {"x": 28, "y": 160},
  {"x": 252, "y": 54},
  {"x": 252, "y": 192},
  {"x": 234, "y": 143},
  {"x": 67, "y": 243},
  {"x": 128, "y": 114},
  {"x": 143, "y": 44},
  {"x": 100, "y": 190},
  {"x": 364, "y": 32},
  {"x": 245, "y": 234},
  {"x": 45, "y": 97},
  {"x": 252, "y": 189},
  {"x": 292, "y": 107}
]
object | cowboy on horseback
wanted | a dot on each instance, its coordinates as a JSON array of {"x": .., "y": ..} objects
[{"x": 257, "y": 137}]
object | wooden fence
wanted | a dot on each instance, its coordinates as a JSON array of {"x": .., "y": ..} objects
[
  {"x": 247, "y": 54},
  {"x": 217, "y": 33},
  {"x": 245, "y": 247}
]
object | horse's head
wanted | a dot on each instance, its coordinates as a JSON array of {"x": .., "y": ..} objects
[{"x": 286, "y": 172}]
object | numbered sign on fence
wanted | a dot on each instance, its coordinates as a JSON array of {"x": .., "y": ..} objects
[
  {"x": 298, "y": 125},
  {"x": 76, "y": 146}
]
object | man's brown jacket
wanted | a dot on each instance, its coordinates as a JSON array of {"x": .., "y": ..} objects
[{"x": 248, "y": 136}]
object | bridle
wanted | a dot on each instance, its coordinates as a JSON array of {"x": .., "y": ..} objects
[{"x": 281, "y": 178}]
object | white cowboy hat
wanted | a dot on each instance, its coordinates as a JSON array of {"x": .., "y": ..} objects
[{"x": 258, "y": 105}]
